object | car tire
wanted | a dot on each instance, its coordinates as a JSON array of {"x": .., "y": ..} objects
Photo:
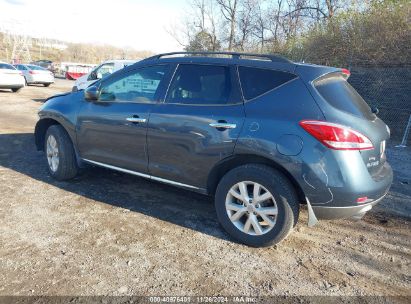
[
  {"x": 74, "y": 89},
  {"x": 46, "y": 84},
  {"x": 15, "y": 90},
  {"x": 281, "y": 199},
  {"x": 60, "y": 155}
]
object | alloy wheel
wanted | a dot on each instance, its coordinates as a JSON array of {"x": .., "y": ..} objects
[
  {"x": 52, "y": 153},
  {"x": 251, "y": 208}
]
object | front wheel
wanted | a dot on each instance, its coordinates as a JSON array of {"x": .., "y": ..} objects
[
  {"x": 15, "y": 90},
  {"x": 46, "y": 84},
  {"x": 256, "y": 205},
  {"x": 61, "y": 159}
]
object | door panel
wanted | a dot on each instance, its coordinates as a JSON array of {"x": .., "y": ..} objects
[
  {"x": 104, "y": 134},
  {"x": 113, "y": 129},
  {"x": 183, "y": 141},
  {"x": 182, "y": 145}
]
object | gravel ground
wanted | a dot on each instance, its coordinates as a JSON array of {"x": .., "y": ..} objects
[{"x": 107, "y": 233}]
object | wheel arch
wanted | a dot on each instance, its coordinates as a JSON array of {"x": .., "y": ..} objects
[
  {"x": 232, "y": 162},
  {"x": 40, "y": 131},
  {"x": 40, "y": 134}
]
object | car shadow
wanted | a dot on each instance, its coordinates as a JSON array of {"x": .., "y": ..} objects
[
  {"x": 35, "y": 85},
  {"x": 38, "y": 99},
  {"x": 167, "y": 203}
]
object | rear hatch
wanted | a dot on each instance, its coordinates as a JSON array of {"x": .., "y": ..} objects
[{"x": 342, "y": 104}]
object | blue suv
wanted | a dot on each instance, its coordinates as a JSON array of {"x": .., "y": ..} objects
[{"x": 259, "y": 133}]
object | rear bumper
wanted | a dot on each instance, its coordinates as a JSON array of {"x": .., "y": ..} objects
[
  {"x": 40, "y": 79},
  {"x": 330, "y": 213},
  {"x": 11, "y": 86}
]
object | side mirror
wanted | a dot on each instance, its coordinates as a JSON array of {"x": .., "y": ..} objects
[{"x": 91, "y": 93}]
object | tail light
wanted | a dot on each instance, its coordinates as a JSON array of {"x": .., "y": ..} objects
[
  {"x": 33, "y": 72},
  {"x": 361, "y": 200},
  {"x": 346, "y": 73},
  {"x": 336, "y": 136}
]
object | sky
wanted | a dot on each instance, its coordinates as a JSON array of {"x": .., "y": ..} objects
[{"x": 140, "y": 24}]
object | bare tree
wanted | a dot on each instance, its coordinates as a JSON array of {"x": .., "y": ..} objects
[
  {"x": 246, "y": 21},
  {"x": 274, "y": 19},
  {"x": 229, "y": 10},
  {"x": 198, "y": 28},
  {"x": 316, "y": 9},
  {"x": 260, "y": 25}
]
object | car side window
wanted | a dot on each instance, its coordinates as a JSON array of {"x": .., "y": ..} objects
[
  {"x": 105, "y": 69},
  {"x": 5, "y": 66},
  {"x": 200, "y": 85},
  {"x": 139, "y": 85},
  {"x": 258, "y": 81}
]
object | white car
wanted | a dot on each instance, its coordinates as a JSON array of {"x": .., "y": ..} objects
[
  {"x": 101, "y": 71},
  {"x": 10, "y": 78},
  {"x": 35, "y": 74}
]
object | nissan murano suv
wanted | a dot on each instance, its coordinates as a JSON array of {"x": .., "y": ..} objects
[{"x": 259, "y": 133}]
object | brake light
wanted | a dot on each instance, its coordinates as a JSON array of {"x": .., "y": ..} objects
[
  {"x": 336, "y": 136},
  {"x": 33, "y": 72},
  {"x": 362, "y": 199},
  {"x": 346, "y": 73}
]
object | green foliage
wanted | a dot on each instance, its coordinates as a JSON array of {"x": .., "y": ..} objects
[
  {"x": 379, "y": 35},
  {"x": 355, "y": 32}
]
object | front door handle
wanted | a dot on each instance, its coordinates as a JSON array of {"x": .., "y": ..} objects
[
  {"x": 223, "y": 125},
  {"x": 136, "y": 119}
]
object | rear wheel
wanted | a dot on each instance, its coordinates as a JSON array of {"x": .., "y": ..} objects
[
  {"x": 61, "y": 159},
  {"x": 15, "y": 90},
  {"x": 256, "y": 205},
  {"x": 46, "y": 84}
]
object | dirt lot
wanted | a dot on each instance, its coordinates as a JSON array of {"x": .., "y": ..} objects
[{"x": 107, "y": 233}]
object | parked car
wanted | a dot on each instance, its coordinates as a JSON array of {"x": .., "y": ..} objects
[
  {"x": 47, "y": 64},
  {"x": 260, "y": 133},
  {"x": 34, "y": 74},
  {"x": 10, "y": 78},
  {"x": 101, "y": 71}
]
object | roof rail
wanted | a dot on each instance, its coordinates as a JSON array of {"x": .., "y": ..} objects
[{"x": 234, "y": 55}]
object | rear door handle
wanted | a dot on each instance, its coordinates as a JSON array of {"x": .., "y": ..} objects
[
  {"x": 223, "y": 125},
  {"x": 136, "y": 119}
]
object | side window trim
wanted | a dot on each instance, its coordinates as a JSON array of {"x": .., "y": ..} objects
[
  {"x": 269, "y": 91},
  {"x": 109, "y": 80},
  {"x": 170, "y": 80},
  {"x": 235, "y": 93}
]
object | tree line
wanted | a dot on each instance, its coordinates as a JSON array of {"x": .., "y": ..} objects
[
  {"x": 330, "y": 32},
  {"x": 27, "y": 49}
]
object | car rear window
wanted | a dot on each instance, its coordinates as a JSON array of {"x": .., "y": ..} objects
[
  {"x": 257, "y": 81},
  {"x": 5, "y": 66},
  {"x": 341, "y": 95},
  {"x": 36, "y": 67}
]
